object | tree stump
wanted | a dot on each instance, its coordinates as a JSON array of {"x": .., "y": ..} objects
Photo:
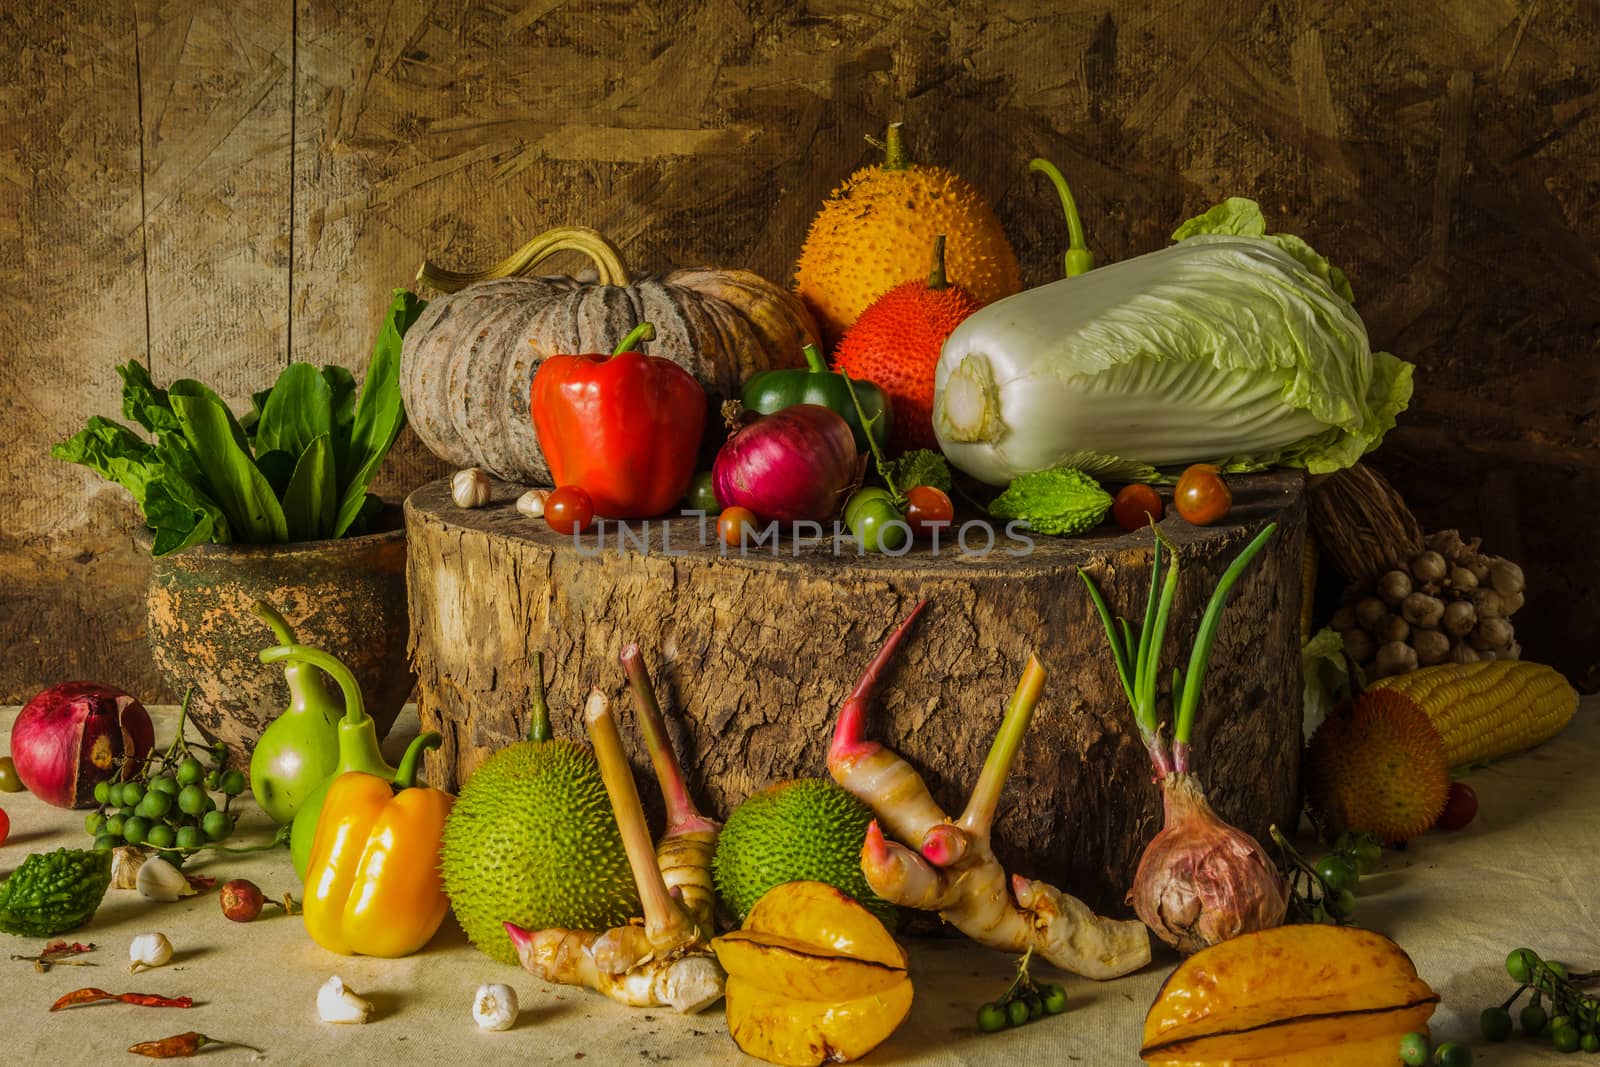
[{"x": 752, "y": 656}]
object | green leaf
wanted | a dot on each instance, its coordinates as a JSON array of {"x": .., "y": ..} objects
[
  {"x": 1054, "y": 502},
  {"x": 143, "y": 402},
  {"x": 918, "y": 467},
  {"x": 112, "y": 451},
  {"x": 1236, "y": 216},
  {"x": 222, "y": 452},
  {"x": 182, "y": 515},
  {"x": 379, "y": 413},
  {"x": 278, "y": 467},
  {"x": 311, "y": 502},
  {"x": 258, "y": 402},
  {"x": 342, "y": 384},
  {"x": 298, "y": 410}
]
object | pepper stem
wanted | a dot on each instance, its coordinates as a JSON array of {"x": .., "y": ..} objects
[
  {"x": 985, "y": 798},
  {"x": 643, "y": 332},
  {"x": 355, "y": 710},
  {"x": 539, "y": 730},
  {"x": 936, "y": 276},
  {"x": 1079, "y": 259},
  {"x": 814, "y": 360}
]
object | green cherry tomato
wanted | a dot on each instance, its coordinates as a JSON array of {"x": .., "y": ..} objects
[
  {"x": 217, "y": 825},
  {"x": 102, "y": 792},
  {"x": 1533, "y": 1019},
  {"x": 154, "y": 805},
  {"x": 135, "y": 829},
  {"x": 1343, "y": 904},
  {"x": 113, "y": 826},
  {"x": 1366, "y": 853},
  {"x": 232, "y": 783},
  {"x": 93, "y": 823},
  {"x": 1338, "y": 872},
  {"x": 1519, "y": 965},
  {"x": 165, "y": 784},
  {"x": 1495, "y": 1023},
  {"x": 1451, "y": 1054},
  {"x": 1055, "y": 999},
  {"x": 1564, "y": 1038},
  {"x": 189, "y": 837},
  {"x": 132, "y": 793},
  {"x": 195, "y": 801},
  {"x": 1589, "y": 1042},
  {"x": 161, "y": 836},
  {"x": 991, "y": 1017},
  {"x": 9, "y": 782},
  {"x": 1017, "y": 1012},
  {"x": 102, "y": 842},
  {"x": 701, "y": 496},
  {"x": 875, "y": 521},
  {"x": 190, "y": 771},
  {"x": 114, "y": 794},
  {"x": 1414, "y": 1049}
]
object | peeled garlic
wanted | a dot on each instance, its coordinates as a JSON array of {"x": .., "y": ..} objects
[
  {"x": 338, "y": 1003},
  {"x": 531, "y": 503},
  {"x": 149, "y": 950},
  {"x": 125, "y": 863},
  {"x": 160, "y": 880},
  {"x": 470, "y": 488},
  {"x": 494, "y": 1007}
]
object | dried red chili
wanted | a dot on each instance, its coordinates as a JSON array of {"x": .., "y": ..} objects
[
  {"x": 180, "y": 1045},
  {"x": 57, "y": 952},
  {"x": 91, "y": 995}
]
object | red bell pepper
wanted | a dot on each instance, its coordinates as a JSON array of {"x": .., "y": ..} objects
[{"x": 625, "y": 427}]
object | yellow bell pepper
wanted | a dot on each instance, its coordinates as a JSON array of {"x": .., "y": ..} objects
[{"x": 372, "y": 884}]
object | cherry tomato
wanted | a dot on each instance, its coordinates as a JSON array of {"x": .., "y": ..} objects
[
  {"x": 569, "y": 510},
  {"x": 1137, "y": 506},
  {"x": 5, "y": 827},
  {"x": 875, "y": 521},
  {"x": 732, "y": 524},
  {"x": 1459, "y": 809},
  {"x": 1202, "y": 497},
  {"x": 926, "y": 507},
  {"x": 701, "y": 496},
  {"x": 9, "y": 782}
]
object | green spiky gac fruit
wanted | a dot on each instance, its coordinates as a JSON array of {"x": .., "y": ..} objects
[
  {"x": 809, "y": 830},
  {"x": 532, "y": 839},
  {"x": 895, "y": 344},
  {"x": 1378, "y": 766},
  {"x": 874, "y": 233}
]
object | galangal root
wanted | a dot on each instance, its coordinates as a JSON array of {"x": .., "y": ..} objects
[
  {"x": 954, "y": 872},
  {"x": 666, "y": 961}
]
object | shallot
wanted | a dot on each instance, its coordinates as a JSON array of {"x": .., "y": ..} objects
[
  {"x": 73, "y": 736},
  {"x": 796, "y": 465}
]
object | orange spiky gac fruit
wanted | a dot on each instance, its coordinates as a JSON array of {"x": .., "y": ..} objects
[
  {"x": 873, "y": 233},
  {"x": 895, "y": 345},
  {"x": 1378, "y": 766}
]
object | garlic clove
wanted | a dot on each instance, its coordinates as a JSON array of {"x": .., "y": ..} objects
[
  {"x": 494, "y": 1006},
  {"x": 471, "y": 488},
  {"x": 338, "y": 1003},
  {"x": 161, "y": 881},
  {"x": 148, "y": 950},
  {"x": 125, "y": 864},
  {"x": 531, "y": 503}
]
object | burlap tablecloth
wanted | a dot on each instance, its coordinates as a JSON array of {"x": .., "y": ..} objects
[{"x": 1527, "y": 872}]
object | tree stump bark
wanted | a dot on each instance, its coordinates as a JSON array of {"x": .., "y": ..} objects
[{"x": 752, "y": 656}]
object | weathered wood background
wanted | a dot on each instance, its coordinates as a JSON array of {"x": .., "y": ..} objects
[{"x": 218, "y": 188}]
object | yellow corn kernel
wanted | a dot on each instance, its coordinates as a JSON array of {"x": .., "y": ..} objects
[{"x": 1488, "y": 709}]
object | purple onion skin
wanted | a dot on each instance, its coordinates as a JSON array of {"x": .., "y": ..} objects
[
  {"x": 69, "y": 737},
  {"x": 795, "y": 465},
  {"x": 1201, "y": 881}
]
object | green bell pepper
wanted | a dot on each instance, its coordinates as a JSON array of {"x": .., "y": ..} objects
[{"x": 775, "y": 390}]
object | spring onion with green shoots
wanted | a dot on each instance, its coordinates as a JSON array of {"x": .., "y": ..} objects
[{"x": 1200, "y": 881}]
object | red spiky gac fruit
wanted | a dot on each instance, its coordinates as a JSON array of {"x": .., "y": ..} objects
[{"x": 895, "y": 345}]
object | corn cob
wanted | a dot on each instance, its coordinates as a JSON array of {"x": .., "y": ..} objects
[{"x": 1490, "y": 708}]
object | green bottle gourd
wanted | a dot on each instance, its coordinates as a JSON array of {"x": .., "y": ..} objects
[
  {"x": 300, "y": 748},
  {"x": 358, "y": 748}
]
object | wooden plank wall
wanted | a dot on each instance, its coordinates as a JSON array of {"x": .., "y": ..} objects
[{"x": 221, "y": 187}]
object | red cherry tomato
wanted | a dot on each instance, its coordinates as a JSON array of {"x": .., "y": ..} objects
[
  {"x": 927, "y": 506},
  {"x": 1202, "y": 497},
  {"x": 1459, "y": 809},
  {"x": 569, "y": 510},
  {"x": 1137, "y": 506},
  {"x": 732, "y": 524},
  {"x": 5, "y": 826}
]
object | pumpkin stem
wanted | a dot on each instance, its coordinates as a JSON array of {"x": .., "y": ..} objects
[
  {"x": 814, "y": 360},
  {"x": 893, "y": 146},
  {"x": 936, "y": 276},
  {"x": 642, "y": 332},
  {"x": 605, "y": 256}
]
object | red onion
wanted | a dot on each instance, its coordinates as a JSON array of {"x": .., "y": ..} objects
[
  {"x": 68, "y": 739},
  {"x": 1202, "y": 881},
  {"x": 794, "y": 465}
]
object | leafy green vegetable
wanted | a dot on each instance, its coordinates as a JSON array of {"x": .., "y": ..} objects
[
  {"x": 919, "y": 467},
  {"x": 1064, "y": 501},
  {"x": 295, "y": 467},
  {"x": 53, "y": 892},
  {"x": 1233, "y": 346}
]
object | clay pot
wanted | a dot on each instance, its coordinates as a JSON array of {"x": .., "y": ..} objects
[{"x": 345, "y": 596}]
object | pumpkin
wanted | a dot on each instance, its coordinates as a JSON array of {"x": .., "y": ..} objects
[{"x": 468, "y": 361}]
